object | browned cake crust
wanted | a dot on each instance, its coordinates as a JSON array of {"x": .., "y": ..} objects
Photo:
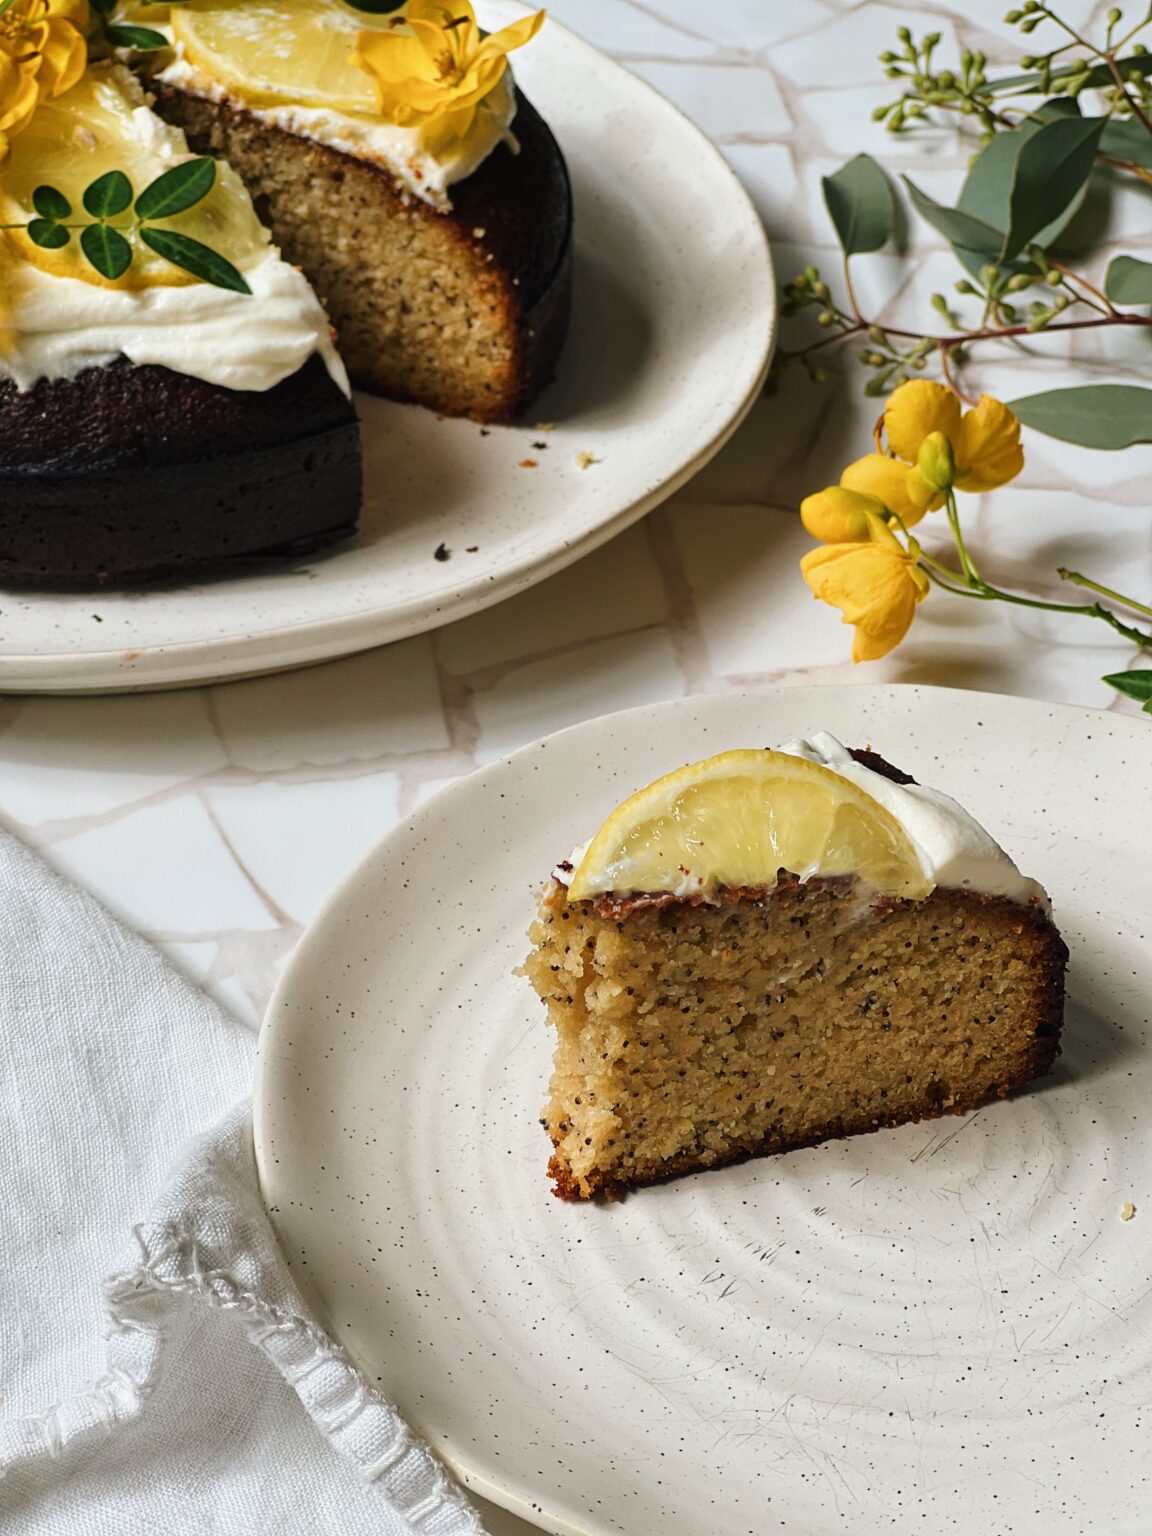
[
  {"x": 403, "y": 281},
  {"x": 1036, "y": 1047},
  {"x": 136, "y": 474}
]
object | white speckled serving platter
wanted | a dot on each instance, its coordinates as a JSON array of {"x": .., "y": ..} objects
[
  {"x": 674, "y": 314},
  {"x": 945, "y": 1327}
]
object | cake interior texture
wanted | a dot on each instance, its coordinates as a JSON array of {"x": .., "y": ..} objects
[
  {"x": 463, "y": 312},
  {"x": 695, "y": 1035}
]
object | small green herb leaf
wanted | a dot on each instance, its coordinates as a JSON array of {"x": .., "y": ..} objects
[
  {"x": 51, "y": 204},
  {"x": 1137, "y": 685},
  {"x": 103, "y": 7},
  {"x": 139, "y": 39},
  {"x": 974, "y": 241},
  {"x": 1093, "y": 415},
  {"x": 108, "y": 195},
  {"x": 48, "y": 235},
  {"x": 860, "y": 203},
  {"x": 375, "y": 7},
  {"x": 177, "y": 189},
  {"x": 1129, "y": 281},
  {"x": 107, "y": 250},
  {"x": 195, "y": 257}
]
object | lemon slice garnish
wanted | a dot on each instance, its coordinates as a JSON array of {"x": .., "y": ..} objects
[
  {"x": 269, "y": 52},
  {"x": 736, "y": 820},
  {"x": 101, "y": 125}
]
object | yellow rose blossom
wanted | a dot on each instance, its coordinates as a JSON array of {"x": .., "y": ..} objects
[
  {"x": 433, "y": 68},
  {"x": 876, "y": 585},
  {"x": 43, "y": 52}
]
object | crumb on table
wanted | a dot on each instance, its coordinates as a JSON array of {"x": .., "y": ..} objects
[
  {"x": 1127, "y": 1211},
  {"x": 586, "y": 459}
]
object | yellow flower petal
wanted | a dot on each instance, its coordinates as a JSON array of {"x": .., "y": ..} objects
[
  {"x": 988, "y": 451},
  {"x": 899, "y": 486},
  {"x": 515, "y": 35},
  {"x": 916, "y": 409},
  {"x": 839, "y": 516},
  {"x": 63, "y": 58},
  {"x": 876, "y": 586},
  {"x": 19, "y": 94}
]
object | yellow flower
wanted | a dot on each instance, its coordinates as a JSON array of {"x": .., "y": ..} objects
[
  {"x": 876, "y": 584},
  {"x": 433, "y": 68},
  {"x": 42, "y": 53},
  {"x": 920, "y": 416}
]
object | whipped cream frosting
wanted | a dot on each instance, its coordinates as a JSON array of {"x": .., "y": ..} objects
[
  {"x": 953, "y": 848},
  {"x": 54, "y": 327},
  {"x": 404, "y": 152}
]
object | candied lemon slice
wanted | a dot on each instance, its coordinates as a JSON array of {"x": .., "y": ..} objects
[
  {"x": 278, "y": 51},
  {"x": 100, "y": 125},
  {"x": 739, "y": 818}
]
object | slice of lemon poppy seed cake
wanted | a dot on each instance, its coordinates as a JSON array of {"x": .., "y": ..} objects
[{"x": 770, "y": 948}]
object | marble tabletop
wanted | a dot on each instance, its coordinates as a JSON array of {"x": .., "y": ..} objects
[{"x": 216, "y": 821}]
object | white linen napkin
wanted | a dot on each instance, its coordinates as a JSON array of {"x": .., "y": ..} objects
[{"x": 162, "y": 1391}]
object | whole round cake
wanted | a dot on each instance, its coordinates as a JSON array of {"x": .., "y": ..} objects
[{"x": 211, "y": 215}]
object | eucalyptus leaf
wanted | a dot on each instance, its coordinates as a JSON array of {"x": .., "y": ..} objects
[
  {"x": 177, "y": 189},
  {"x": 139, "y": 39},
  {"x": 1093, "y": 415},
  {"x": 1129, "y": 281},
  {"x": 107, "y": 250},
  {"x": 1126, "y": 138},
  {"x": 1137, "y": 685},
  {"x": 50, "y": 203},
  {"x": 108, "y": 195},
  {"x": 1052, "y": 170},
  {"x": 195, "y": 257},
  {"x": 48, "y": 235},
  {"x": 861, "y": 204},
  {"x": 975, "y": 242}
]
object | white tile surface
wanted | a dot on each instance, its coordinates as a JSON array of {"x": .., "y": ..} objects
[
  {"x": 62, "y": 759},
  {"x": 164, "y": 869},
  {"x": 588, "y": 680},
  {"x": 384, "y": 703},
  {"x": 333, "y": 823}
]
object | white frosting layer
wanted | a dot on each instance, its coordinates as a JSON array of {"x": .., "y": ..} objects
[
  {"x": 401, "y": 151},
  {"x": 61, "y": 325},
  {"x": 953, "y": 848}
]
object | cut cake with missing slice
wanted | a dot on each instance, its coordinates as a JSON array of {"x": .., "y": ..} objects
[{"x": 713, "y": 1004}]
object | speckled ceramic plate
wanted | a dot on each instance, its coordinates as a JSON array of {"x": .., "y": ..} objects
[
  {"x": 673, "y": 320},
  {"x": 945, "y": 1327}
]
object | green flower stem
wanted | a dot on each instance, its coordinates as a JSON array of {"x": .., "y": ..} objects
[
  {"x": 1079, "y": 580},
  {"x": 972, "y": 575},
  {"x": 984, "y": 592}
]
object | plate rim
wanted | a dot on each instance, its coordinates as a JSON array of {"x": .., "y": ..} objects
[
  {"x": 474, "y": 1477},
  {"x": 198, "y": 663}
]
